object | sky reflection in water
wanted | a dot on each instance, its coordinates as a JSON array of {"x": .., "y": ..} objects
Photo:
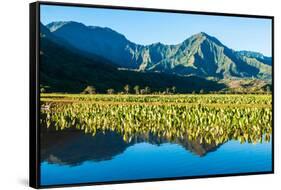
[{"x": 73, "y": 157}]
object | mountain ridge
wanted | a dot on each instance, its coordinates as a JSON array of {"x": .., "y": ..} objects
[
  {"x": 200, "y": 55},
  {"x": 66, "y": 70}
]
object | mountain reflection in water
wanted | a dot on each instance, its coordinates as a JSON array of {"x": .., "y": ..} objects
[
  {"x": 71, "y": 147},
  {"x": 70, "y": 156}
]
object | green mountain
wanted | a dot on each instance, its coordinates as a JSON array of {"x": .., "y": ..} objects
[
  {"x": 200, "y": 55},
  {"x": 64, "y": 69},
  {"x": 260, "y": 57}
]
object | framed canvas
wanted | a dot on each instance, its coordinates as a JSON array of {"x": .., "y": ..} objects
[{"x": 123, "y": 94}]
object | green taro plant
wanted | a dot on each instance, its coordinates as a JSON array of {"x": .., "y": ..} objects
[{"x": 207, "y": 118}]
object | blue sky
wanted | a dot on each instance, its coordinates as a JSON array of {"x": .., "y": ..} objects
[{"x": 169, "y": 28}]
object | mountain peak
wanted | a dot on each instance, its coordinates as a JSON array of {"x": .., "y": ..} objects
[
  {"x": 157, "y": 44},
  {"x": 203, "y": 34},
  {"x": 209, "y": 37},
  {"x": 53, "y": 26},
  {"x": 71, "y": 25},
  {"x": 201, "y": 54},
  {"x": 198, "y": 38}
]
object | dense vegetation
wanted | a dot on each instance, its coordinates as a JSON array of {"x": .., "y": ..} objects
[
  {"x": 200, "y": 54},
  {"x": 62, "y": 70},
  {"x": 74, "y": 56},
  {"x": 145, "y": 86},
  {"x": 207, "y": 118}
]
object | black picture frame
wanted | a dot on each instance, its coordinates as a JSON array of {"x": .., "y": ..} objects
[{"x": 34, "y": 91}]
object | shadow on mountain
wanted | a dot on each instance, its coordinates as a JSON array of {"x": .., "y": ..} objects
[
  {"x": 62, "y": 70},
  {"x": 200, "y": 54}
]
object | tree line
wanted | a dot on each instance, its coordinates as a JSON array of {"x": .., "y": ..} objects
[{"x": 127, "y": 89}]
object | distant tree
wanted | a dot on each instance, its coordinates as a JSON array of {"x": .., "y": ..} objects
[
  {"x": 42, "y": 90},
  {"x": 142, "y": 91},
  {"x": 137, "y": 89},
  {"x": 147, "y": 90},
  {"x": 167, "y": 90},
  {"x": 110, "y": 91},
  {"x": 89, "y": 90},
  {"x": 127, "y": 88},
  {"x": 174, "y": 89}
]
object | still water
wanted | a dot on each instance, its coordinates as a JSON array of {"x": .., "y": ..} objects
[{"x": 69, "y": 157}]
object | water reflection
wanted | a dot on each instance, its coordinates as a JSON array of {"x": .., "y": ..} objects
[
  {"x": 73, "y": 147},
  {"x": 70, "y": 156}
]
